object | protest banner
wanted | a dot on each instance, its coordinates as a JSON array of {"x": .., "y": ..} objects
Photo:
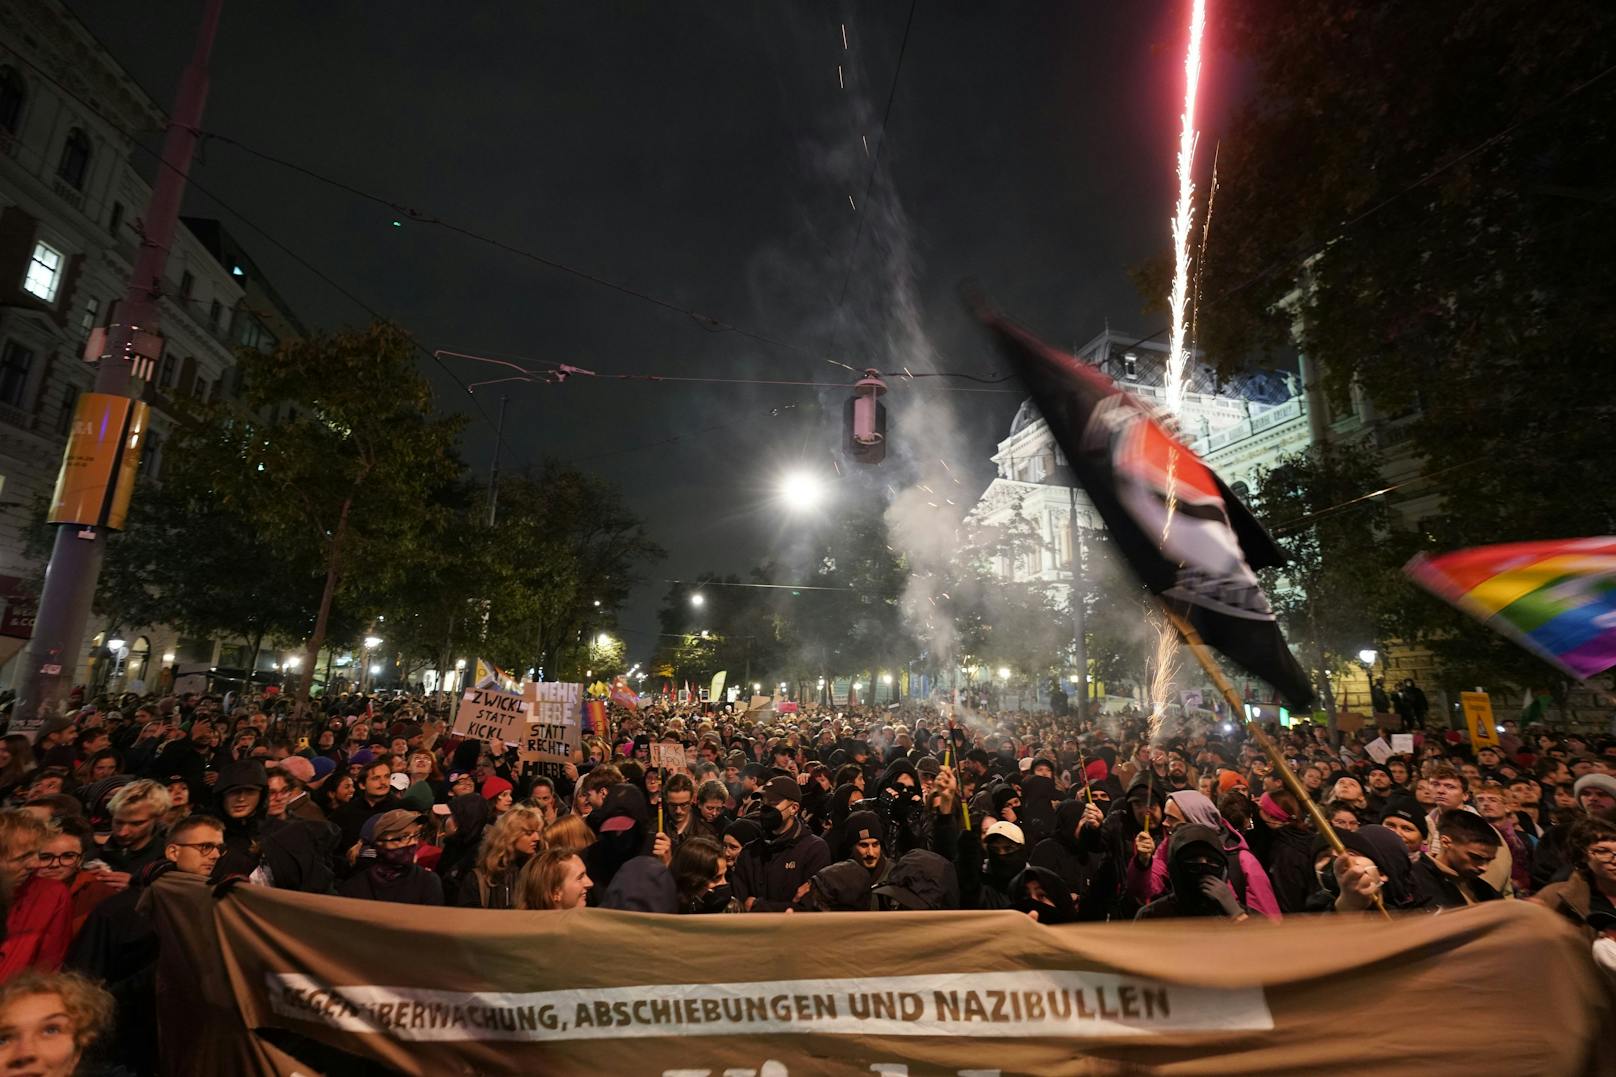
[
  {"x": 939, "y": 992},
  {"x": 491, "y": 714},
  {"x": 1403, "y": 743},
  {"x": 553, "y": 731}
]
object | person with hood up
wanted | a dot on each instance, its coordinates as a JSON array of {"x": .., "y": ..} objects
[
  {"x": 1075, "y": 853},
  {"x": 1042, "y": 895},
  {"x": 1246, "y": 875},
  {"x": 1198, "y": 873},
  {"x": 387, "y": 870},
  {"x": 906, "y": 822},
  {"x": 701, "y": 878},
  {"x": 1376, "y": 860},
  {"x": 1036, "y": 815},
  {"x": 770, "y": 874},
  {"x": 469, "y": 814},
  {"x": 920, "y": 881},
  {"x": 242, "y": 804},
  {"x": 1130, "y": 829}
]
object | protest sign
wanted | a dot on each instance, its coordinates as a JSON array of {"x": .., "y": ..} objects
[
  {"x": 490, "y": 714},
  {"x": 1402, "y": 743},
  {"x": 1478, "y": 712},
  {"x": 668, "y": 754},
  {"x": 938, "y": 992},
  {"x": 1349, "y": 721},
  {"x": 553, "y": 731},
  {"x": 1379, "y": 750}
]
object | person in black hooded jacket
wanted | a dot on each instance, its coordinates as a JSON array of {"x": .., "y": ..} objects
[
  {"x": 904, "y": 818},
  {"x": 470, "y": 814},
  {"x": 1198, "y": 873},
  {"x": 1075, "y": 852},
  {"x": 841, "y": 802},
  {"x": 1042, "y": 894},
  {"x": 242, "y": 804},
  {"x": 1120, "y": 834}
]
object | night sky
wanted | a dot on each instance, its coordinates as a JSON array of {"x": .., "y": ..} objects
[{"x": 704, "y": 154}]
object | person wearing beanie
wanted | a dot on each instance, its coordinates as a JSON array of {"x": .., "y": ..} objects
[
  {"x": 498, "y": 792},
  {"x": 1230, "y": 780},
  {"x": 1404, "y": 817},
  {"x": 1596, "y": 795}
]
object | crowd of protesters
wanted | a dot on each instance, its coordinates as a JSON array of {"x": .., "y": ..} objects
[{"x": 822, "y": 810}]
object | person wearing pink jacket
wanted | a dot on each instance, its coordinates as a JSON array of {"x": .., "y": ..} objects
[{"x": 1147, "y": 876}]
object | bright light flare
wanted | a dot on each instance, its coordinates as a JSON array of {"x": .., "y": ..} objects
[
  {"x": 1177, "y": 353},
  {"x": 801, "y": 490}
]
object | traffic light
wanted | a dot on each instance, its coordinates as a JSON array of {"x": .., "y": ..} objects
[{"x": 865, "y": 419}]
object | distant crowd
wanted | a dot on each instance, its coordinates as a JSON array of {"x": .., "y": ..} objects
[{"x": 864, "y": 809}]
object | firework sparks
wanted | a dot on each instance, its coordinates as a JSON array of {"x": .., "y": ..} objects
[
  {"x": 1164, "y": 674},
  {"x": 1183, "y": 219}
]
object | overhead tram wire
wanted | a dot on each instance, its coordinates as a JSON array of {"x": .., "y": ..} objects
[{"x": 192, "y": 181}]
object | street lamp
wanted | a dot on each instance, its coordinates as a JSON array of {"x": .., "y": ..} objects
[
  {"x": 1004, "y": 673},
  {"x": 603, "y": 641},
  {"x": 291, "y": 662},
  {"x": 886, "y": 678},
  {"x": 372, "y": 642},
  {"x": 375, "y": 670},
  {"x": 698, "y": 600},
  {"x": 1368, "y": 655},
  {"x": 801, "y": 490}
]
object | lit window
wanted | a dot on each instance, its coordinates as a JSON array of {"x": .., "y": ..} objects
[
  {"x": 92, "y": 306},
  {"x": 44, "y": 272}
]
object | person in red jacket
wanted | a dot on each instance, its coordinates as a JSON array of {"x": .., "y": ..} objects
[{"x": 39, "y": 919}]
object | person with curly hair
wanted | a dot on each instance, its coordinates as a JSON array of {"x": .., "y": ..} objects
[
  {"x": 48, "y": 1020},
  {"x": 508, "y": 844}
]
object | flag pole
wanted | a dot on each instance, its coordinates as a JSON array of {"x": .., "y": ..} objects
[{"x": 1197, "y": 647}]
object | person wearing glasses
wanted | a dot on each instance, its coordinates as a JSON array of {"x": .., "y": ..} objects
[
  {"x": 386, "y": 869},
  {"x": 1588, "y": 897},
  {"x": 118, "y": 943},
  {"x": 38, "y": 917}
]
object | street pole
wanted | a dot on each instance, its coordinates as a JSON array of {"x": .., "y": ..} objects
[
  {"x": 493, "y": 472},
  {"x": 51, "y": 658},
  {"x": 1079, "y": 611}
]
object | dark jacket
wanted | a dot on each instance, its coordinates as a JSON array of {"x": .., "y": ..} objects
[
  {"x": 1290, "y": 867},
  {"x": 1446, "y": 889},
  {"x": 241, "y": 853},
  {"x": 413, "y": 886},
  {"x": 771, "y": 871},
  {"x": 352, "y": 816},
  {"x": 1078, "y": 858},
  {"x": 644, "y": 884}
]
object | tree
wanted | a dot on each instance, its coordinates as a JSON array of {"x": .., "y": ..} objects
[
  {"x": 1418, "y": 198},
  {"x": 1340, "y": 590},
  {"x": 332, "y": 457}
]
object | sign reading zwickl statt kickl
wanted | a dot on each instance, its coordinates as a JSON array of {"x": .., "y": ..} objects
[{"x": 490, "y": 714}]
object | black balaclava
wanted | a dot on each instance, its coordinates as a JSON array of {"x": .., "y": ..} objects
[{"x": 1195, "y": 853}]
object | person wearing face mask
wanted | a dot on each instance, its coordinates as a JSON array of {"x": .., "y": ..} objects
[
  {"x": 701, "y": 878},
  {"x": 986, "y": 870},
  {"x": 387, "y": 870},
  {"x": 1246, "y": 875},
  {"x": 1198, "y": 872},
  {"x": 770, "y": 873},
  {"x": 1042, "y": 895},
  {"x": 905, "y": 822},
  {"x": 1075, "y": 853}
]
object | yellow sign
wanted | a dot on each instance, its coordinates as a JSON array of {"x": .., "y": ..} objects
[
  {"x": 1478, "y": 712},
  {"x": 98, "y": 472}
]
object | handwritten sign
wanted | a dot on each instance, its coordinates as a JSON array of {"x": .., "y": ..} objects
[
  {"x": 552, "y": 731},
  {"x": 1403, "y": 743},
  {"x": 490, "y": 714},
  {"x": 1379, "y": 750},
  {"x": 668, "y": 754}
]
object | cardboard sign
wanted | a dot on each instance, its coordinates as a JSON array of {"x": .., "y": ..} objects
[
  {"x": 1379, "y": 750},
  {"x": 553, "y": 729},
  {"x": 1402, "y": 744},
  {"x": 1478, "y": 712},
  {"x": 1349, "y": 721},
  {"x": 668, "y": 755},
  {"x": 490, "y": 714}
]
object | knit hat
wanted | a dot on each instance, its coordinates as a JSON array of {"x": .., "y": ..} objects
[
  {"x": 1230, "y": 779},
  {"x": 322, "y": 767},
  {"x": 1595, "y": 781},
  {"x": 493, "y": 787}
]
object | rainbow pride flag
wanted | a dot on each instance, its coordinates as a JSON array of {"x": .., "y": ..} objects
[{"x": 1557, "y": 598}]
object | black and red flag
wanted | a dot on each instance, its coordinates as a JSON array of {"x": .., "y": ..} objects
[{"x": 1199, "y": 554}]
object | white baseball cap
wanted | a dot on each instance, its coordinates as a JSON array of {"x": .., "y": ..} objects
[{"x": 1002, "y": 829}]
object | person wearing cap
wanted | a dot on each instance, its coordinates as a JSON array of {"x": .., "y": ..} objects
[
  {"x": 242, "y": 804},
  {"x": 387, "y": 867},
  {"x": 626, "y": 830},
  {"x": 986, "y": 868},
  {"x": 771, "y": 874}
]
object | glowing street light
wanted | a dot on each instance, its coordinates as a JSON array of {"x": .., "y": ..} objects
[
  {"x": 375, "y": 670},
  {"x": 698, "y": 600},
  {"x": 886, "y": 678},
  {"x": 1004, "y": 673},
  {"x": 1368, "y": 655},
  {"x": 801, "y": 490},
  {"x": 291, "y": 662},
  {"x": 116, "y": 645},
  {"x": 372, "y": 642},
  {"x": 603, "y": 640},
  {"x": 460, "y": 663}
]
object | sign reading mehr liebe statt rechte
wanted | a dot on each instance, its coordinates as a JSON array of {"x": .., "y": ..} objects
[{"x": 490, "y": 714}]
